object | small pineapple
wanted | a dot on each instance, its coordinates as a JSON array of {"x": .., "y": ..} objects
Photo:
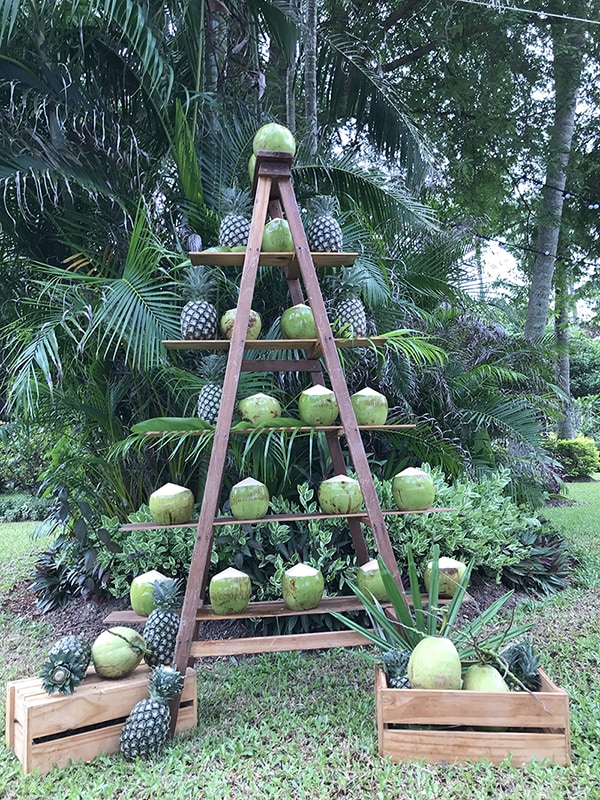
[
  {"x": 193, "y": 242},
  {"x": 160, "y": 631},
  {"x": 146, "y": 728},
  {"x": 235, "y": 225},
  {"x": 66, "y": 665},
  {"x": 199, "y": 316},
  {"x": 347, "y": 313},
  {"x": 212, "y": 371},
  {"x": 324, "y": 233},
  {"x": 395, "y": 664},
  {"x": 522, "y": 662}
]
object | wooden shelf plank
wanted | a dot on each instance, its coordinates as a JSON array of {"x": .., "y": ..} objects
[
  {"x": 283, "y": 429},
  {"x": 271, "y": 344},
  {"x": 360, "y": 515},
  {"x": 264, "y": 608},
  {"x": 278, "y": 259},
  {"x": 276, "y": 644}
]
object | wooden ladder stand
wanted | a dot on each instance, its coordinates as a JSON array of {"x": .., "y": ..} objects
[{"x": 273, "y": 194}]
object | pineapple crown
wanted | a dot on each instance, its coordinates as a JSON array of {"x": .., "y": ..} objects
[
  {"x": 346, "y": 283},
  {"x": 235, "y": 201},
  {"x": 166, "y": 594},
  {"x": 164, "y": 683},
  {"x": 521, "y": 660},
  {"x": 324, "y": 205},
  {"x": 212, "y": 368},
  {"x": 65, "y": 666},
  {"x": 200, "y": 282}
]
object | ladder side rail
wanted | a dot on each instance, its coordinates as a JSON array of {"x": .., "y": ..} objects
[
  {"x": 317, "y": 378},
  {"x": 196, "y": 583},
  {"x": 338, "y": 382}
]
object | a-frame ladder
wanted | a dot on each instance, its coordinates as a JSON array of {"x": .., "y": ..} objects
[{"x": 274, "y": 194}]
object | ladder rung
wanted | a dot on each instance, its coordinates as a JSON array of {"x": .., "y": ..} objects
[{"x": 276, "y": 644}]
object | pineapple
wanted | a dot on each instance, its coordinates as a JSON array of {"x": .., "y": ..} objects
[
  {"x": 146, "y": 728},
  {"x": 324, "y": 233},
  {"x": 199, "y": 316},
  {"x": 209, "y": 399},
  {"x": 347, "y": 313},
  {"x": 193, "y": 242},
  {"x": 522, "y": 662},
  {"x": 160, "y": 631},
  {"x": 66, "y": 665},
  {"x": 395, "y": 664},
  {"x": 235, "y": 225}
]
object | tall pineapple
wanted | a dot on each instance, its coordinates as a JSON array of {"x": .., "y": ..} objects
[
  {"x": 347, "y": 311},
  {"x": 235, "y": 225},
  {"x": 162, "y": 625},
  {"x": 324, "y": 233},
  {"x": 212, "y": 370},
  {"x": 146, "y": 728},
  {"x": 66, "y": 665},
  {"x": 199, "y": 316}
]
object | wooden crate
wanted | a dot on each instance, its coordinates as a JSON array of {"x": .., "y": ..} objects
[
  {"x": 446, "y": 726},
  {"x": 45, "y": 731}
]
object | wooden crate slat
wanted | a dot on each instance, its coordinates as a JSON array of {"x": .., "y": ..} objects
[
  {"x": 275, "y": 644},
  {"x": 444, "y": 747}
]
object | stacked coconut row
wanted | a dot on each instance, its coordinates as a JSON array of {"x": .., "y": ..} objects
[
  {"x": 302, "y": 586},
  {"x": 413, "y": 490}
]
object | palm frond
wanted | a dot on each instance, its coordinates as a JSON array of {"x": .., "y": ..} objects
[{"x": 352, "y": 89}]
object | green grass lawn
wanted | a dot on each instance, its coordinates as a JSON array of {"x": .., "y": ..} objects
[{"x": 294, "y": 725}]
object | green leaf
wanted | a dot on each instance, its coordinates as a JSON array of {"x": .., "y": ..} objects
[{"x": 171, "y": 424}]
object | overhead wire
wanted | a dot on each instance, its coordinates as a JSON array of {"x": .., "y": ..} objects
[{"x": 499, "y": 6}]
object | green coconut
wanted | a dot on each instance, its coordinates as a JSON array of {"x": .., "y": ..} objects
[
  {"x": 370, "y": 407},
  {"x": 298, "y": 322},
  {"x": 450, "y": 572},
  {"x": 317, "y": 406},
  {"x": 117, "y": 651},
  {"x": 369, "y": 581},
  {"x": 275, "y": 138},
  {"x": 277, "y": 237},
  {"x": 171, "y": 504},
  {"x": 340, "y": 495},
  {"x": 141, "y": 591},
  {"x": 259, "y": 407},
  {"x": 413, "y": 489},
  {"x": 249, "y": 499},
  {"x": 228, "y": 321},
  {"x": 485, "y": 678},
  {"x": 229, "y": 591},
  {"x": 434, "y": 664},
  {"x": 302, "y": 587}
]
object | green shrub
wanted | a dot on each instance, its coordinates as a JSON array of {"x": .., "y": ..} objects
[
  {"x": 587, "y": 411},
  {"x": 579, "y": 457},
  {"x": 23, "y": 455},
  {"x": 23, "y": 507}
]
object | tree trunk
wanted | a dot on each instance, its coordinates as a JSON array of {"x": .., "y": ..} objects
[
  {"x": 565, "y": 428},
  {"x": 567, "y": 41},
  {"x": 310, "y": 76}
]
